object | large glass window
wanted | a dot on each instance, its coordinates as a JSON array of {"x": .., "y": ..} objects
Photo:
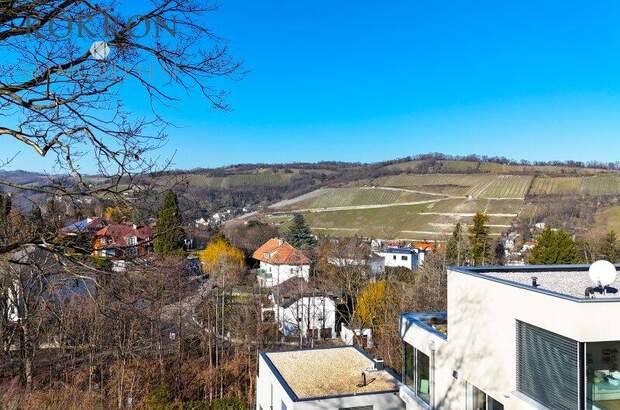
[
  {"x": 603, "y": 375},
  {"x": 424, "y": 376},
  {"x": 409, "y": 366},
  {"x": 482, "y": 401},
  {"x": 417, "y": 372}
]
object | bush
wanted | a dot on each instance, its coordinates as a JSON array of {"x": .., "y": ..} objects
[{"x": 228, "y": 404}]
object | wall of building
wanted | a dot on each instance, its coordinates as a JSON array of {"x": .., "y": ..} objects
[
  {"x": 409, "y": 263},
  {"x": 318, "y": 312},
  {"x": 280, "y": 273},
  {"x": 481, "y": 346},
  {"x": 269, "y": 392}
]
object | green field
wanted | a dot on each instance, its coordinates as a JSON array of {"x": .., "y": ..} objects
[
  {"x": 265, "y": 178},
  {"x": 376, "y": 206},
  {"x": 608, "y": 219},
  {"x": 608, "y": 184},
  {"x": 417, "y": 222},
  {"x": 507, "y": 186},
  {"x": 457, "y": 166},
  {"x": 338, "y": 197}
]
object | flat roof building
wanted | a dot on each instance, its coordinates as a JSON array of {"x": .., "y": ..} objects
[
  {"x": 326, "y": 378},
  {"x": 518, "y": 337}
]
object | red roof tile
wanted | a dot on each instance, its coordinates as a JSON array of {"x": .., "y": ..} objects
[{"x": 278, "y": 252}]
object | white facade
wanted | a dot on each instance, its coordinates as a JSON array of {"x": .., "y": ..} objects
[
  {"x": 480, "y": 352},
  {"x": 310, "y": 314},
  {"x": 273, "y": 274},
  {"x": 348, "y": 336},
  {"x": 399, "y": 258},
  {"x": 274, "y": 393}
]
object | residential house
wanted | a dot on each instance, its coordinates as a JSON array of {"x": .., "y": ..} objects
[
  {"x": 87, "y": 227},
  {"x": 516, "y": 338},
  {"x": 399, "y": 257},
  {"x": 298, "y": 306},
  {"x": 374, "y": 262},
  {"x": 32, "y": 274},
  {"x": 280, "y": 261},
  {"x": 410, "y": 256},
  {"x": 122, "y": 241},
  {"x": 344, "y": 378}
]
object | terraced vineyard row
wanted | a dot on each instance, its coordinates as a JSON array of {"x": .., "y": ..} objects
[
  {"x": 338, "y": 197},
  {"x": 590, "y": 185}
]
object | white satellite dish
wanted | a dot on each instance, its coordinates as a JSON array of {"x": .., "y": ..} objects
[{"x": 602, "y": 273}]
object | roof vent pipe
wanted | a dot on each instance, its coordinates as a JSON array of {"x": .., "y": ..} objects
[{"x": 535, "y": 282}]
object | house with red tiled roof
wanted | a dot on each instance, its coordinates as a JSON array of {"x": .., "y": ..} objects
[
  {"x": 280, "y": 261},
  {"x": 122, "y": 240}
]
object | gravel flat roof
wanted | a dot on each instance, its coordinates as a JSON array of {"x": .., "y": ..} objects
[
  {"x": 566, "y": 282},
  {"x": 327, "y": 372}
]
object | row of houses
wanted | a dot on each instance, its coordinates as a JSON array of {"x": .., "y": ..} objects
[
  {"x": 112, "y": 240},
  {"x": 514, "y": 338},
  {"x": 297, "y": 303}
]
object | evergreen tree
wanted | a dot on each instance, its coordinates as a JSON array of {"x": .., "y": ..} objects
[
  {"x": 479, "y": 246},
  {"x": 554, "y": 247},
  {"x": 170, "y": 235},
  {"x": 608, "y": 248},
  {"x": 455, "y": 249},
  {"x": 300, "y": 235},
  {"x": 500, "y": 253}
]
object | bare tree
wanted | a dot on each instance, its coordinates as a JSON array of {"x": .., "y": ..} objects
[{"x": 63, "y": 69}]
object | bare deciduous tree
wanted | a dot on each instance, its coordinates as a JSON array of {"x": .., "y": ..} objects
[{"x": 64, "y": 69}]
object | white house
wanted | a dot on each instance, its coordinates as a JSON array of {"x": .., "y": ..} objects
[
  {"x": 513, "y": 338},
  {"x": 280, "y": 261},
  {"x": 395, "y": 257},
  {"x": 298, "y": 306},
  {"x": 349, "y": 336},
  {"x": 374, "y": 262},
  {"x": 344, "y": 378}
]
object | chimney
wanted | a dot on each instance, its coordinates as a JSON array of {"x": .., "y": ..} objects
[
  {"x": 535, "y": 282},
  {"x": 379, "y": 364}
]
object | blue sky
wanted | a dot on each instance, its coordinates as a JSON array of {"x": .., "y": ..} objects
[{"x": 369, "y": 81}]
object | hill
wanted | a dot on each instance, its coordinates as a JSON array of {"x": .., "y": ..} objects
[
  {"x": 423, "y": 200},
  {"x": 412, "y": 198}
]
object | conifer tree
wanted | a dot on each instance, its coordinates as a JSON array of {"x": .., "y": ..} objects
[
  {"x": 479, "y": 247},
  {"x": 169, "y": 233},
  {"x": 455, "y": 250},
  {"x": 300, "y": 235},
  {"x": 608, "y": 248},
  {"x": 554, "y": 247}
]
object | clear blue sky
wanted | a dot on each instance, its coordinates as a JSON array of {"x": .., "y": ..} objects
[{"x": 375, "y": 80}]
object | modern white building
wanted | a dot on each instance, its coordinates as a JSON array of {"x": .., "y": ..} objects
[
  {"x": 280, "y": 261},
  {"x": 400, "y": 257},
  {"x": 340, "y": 378},
  {"x": 298, "y": 306},
  {"x": 519, "y": 337}
]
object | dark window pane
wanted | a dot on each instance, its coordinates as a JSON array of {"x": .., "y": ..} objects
[
  {"x": 494, "y": 404},
  {"x": 409, "y": 366},
  {"x": 424, "y": 380},
  {"x": 480, "y": 399}
]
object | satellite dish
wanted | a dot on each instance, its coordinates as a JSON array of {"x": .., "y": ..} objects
[{"x": 602, "y": 273}]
